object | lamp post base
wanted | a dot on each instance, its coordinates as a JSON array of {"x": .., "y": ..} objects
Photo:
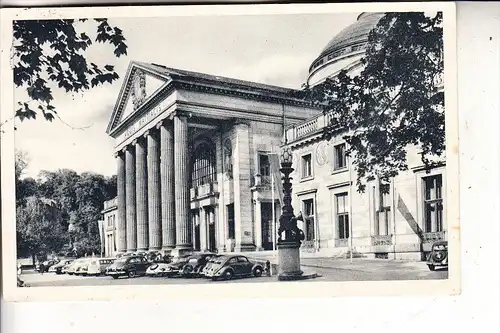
[{"x": 289, "y": 261}]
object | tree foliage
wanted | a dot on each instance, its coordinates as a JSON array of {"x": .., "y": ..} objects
[
  {"x": 394, "y": 102},
  {"x": 53, "y": 52},
  {"x": 39, "y": 227},
  {"x": 65, "y": 202}
]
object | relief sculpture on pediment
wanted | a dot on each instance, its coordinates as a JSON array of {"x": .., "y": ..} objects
[{"x": 138, "y": 88}]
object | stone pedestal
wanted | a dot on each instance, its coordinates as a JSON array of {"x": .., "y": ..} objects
[{"x": 289, "y": 261}]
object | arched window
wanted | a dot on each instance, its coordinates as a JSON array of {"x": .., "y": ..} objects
[{"x": 203, "y": 168}]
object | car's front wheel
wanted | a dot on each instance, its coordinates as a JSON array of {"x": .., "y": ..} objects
[
  {"x": 228, "y": 275},
  {"x": 131, "y": 274},
  {"x": 431, "y": 267},
  {"x": 257, "y": 272}
]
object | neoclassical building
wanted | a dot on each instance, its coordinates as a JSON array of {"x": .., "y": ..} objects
[
  {"x": 197, "y": 166},
  {"x": 399, "y": 219},
  {"x": 192, "y": 159}
]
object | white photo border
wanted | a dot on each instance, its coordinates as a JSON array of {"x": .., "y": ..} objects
[{"x": 11, "y": 292}]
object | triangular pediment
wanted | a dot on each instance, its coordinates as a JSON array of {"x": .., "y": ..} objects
[{"x": 141, "y": 82}]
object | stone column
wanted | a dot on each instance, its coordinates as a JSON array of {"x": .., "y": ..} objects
[
  {"x": 154, "y": 199},
  {"x": 130, "y": 199},
  {"x": 203, "y": 230},
  {"x": 167, "y": 186},
  {"x": 181, "y": 163},
  {"x": 258, "y": 224},
  {"x": 244, "y": 227},
  {"x": 141, "y": 194},
  {"x": 121, "y": 231}
]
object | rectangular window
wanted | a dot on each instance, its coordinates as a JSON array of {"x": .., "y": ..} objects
[
  {"x": 342, "y": 211},
  {"x": 308, "y": 206},
  {"x": 306, "y": 166},
  {"x": 433, "y": 204},
  {"x": 230, "y": 221},
  {"x": 264, "y": 165},
  {"x": 340, "y": 160},
  {"x": 383, "y": 211}
]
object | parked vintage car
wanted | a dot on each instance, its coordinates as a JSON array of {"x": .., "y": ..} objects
[
  {"x": 195, "y": 264},
  {"x": 211, "y": 261},
  {"x": 229, "y": 266},
  {"x": 167, "y": 269},
  {"x": 130, "y": 266},
  {"x": 46, "y": 265},
  {"x": 438, "y": 257},
  {"x": 57, "y": 268},
  {"x": 98, "y": 266},
  {"x": 83, "y": 267},
  {"x": 73, "y": 267}
]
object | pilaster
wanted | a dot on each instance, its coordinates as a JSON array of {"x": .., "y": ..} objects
[{"x": 242, "y": 193}]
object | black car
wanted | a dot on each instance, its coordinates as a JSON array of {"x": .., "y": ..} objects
[
  {"x": 228, "y": 266},
  {"x": 195, "y": 264},
  {"x": 438, "y": 256},
  {"x": 129, "y": 266}
]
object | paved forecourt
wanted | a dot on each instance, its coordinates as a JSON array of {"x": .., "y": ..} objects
[{"x": 343, "y": 271}]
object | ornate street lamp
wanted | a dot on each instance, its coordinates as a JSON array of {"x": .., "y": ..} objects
[{"x": 290, "y": 236}]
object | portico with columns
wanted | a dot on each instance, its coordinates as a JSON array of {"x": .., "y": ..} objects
[{"x": 186, "y": 146}]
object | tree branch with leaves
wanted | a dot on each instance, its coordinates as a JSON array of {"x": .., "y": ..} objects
[
  {"x": 53, "y": 52},
  {"x": 394, "y": 102}
]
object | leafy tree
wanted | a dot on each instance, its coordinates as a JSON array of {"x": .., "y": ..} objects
[
  {"x": 53, "y": 53},
  {"x": 21, "y": 160},
  {"x": 394, "y": 102},
  {"x": 39, "y": 227}
]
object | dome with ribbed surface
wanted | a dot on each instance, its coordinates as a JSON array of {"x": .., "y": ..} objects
[{"x": 349, "y": 41}]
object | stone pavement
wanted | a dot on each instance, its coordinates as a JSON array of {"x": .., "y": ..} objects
[{"x": 310, "y": 261}]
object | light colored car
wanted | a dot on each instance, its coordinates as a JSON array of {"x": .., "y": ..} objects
[
  {"x": 97, "y": 266},
  {"x": 73, "y": 267},
  {"x": 167, "y": 269},
  {"x": 57, "y": 268},
  {"x": 83, "y": 267}
]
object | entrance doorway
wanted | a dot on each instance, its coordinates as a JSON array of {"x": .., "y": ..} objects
[
  {"x": 210, "y": 218},
  {"x": 195, "y": 217},
  {"x": 267, "y": 226}
]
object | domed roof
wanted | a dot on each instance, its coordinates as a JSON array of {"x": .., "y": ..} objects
[
  {"x": 355, "y": 33},
  {"x": 349, "y": 39}
]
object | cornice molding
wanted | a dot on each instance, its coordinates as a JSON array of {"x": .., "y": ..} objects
[{"x": 177, "y": 82}]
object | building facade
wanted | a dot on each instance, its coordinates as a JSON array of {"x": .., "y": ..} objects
[
  {"x": 400, "y": 219},
  {"x": 198, "y": 169},
  {"x": 109, "y": 227},
  {"x": 192, "y": 159}
]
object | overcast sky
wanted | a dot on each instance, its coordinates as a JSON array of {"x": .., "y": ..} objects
[{"x": 268, "y": 49}]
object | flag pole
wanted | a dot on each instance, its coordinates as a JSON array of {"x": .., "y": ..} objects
[
  {"x": 273, "y": 212},
  {"x": 350, "y": 212}
]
